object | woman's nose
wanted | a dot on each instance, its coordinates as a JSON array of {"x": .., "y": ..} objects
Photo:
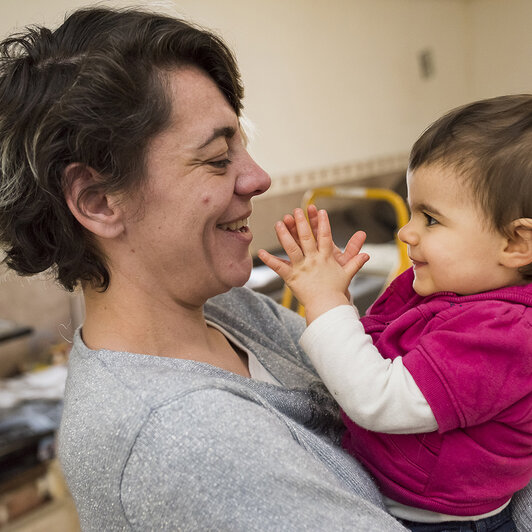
[{"x": 252, "y": 180}]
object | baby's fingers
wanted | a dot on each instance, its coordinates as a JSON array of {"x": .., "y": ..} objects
[
  {"x": 352, "y": 248},
  {"x": 304, "y": 232},
  {"x": 289, "y": 243},
  {"x": 325, "y": 241},
  {"x": 290, "y": 223},
  {"x": 353, "y": 266},
  {"x": 280, "y": 266},
  {"x": 312, "y": 213}
]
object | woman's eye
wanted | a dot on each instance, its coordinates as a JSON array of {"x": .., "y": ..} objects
[
  {"x": 429, "y": 219},
  {"x": 221, "y": 164}
]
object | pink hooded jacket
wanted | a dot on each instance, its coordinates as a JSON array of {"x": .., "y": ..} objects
[{"x": 471, "y": 357}]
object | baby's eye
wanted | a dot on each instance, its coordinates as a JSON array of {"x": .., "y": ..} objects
[
  {"x": 221, "y": 164},
  {"x": 429, "y": 219}
]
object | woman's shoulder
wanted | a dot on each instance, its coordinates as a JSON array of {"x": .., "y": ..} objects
[{"x": 137, "y": 379}]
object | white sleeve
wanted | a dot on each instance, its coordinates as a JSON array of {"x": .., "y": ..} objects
[{"x": 376, "y": 393}]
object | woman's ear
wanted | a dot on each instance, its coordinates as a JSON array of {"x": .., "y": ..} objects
[
  {"x": 93, "y": 209},
  {"x": 518, "y": 250}
]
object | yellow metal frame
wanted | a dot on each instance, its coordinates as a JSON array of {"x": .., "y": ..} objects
[{"x": 379, "y": 194}]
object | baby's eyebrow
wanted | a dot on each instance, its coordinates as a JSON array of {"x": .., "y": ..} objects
[{"x": 425, "y": 207}]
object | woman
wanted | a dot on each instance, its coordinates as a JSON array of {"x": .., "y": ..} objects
[{"x": 124, "y": 169}]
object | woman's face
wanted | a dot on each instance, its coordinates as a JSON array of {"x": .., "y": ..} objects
[{"x": 187, "y": 238}]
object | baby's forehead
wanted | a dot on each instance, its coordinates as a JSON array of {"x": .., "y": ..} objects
[
  {"x": 440, "y": 173},
  {"x": 437, "y": 180}
]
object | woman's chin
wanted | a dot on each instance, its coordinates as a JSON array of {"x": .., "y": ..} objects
[
  {"x": 243, "y": 277},
  {"x": 237, "y": 274}
]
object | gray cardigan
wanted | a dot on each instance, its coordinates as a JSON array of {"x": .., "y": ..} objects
[{"x": 151, "y": 443}]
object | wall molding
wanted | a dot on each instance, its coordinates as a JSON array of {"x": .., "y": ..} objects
[{"x": 336, "y": 175}]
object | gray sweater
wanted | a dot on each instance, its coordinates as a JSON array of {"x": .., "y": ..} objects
[{"x": 151, "y": 443}]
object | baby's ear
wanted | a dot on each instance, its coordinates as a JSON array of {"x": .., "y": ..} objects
[
  {"x": 518, "y": 251},
  {"x": 95, "y": 210}
]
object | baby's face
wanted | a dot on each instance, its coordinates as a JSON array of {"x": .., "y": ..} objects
[{"x": 450, "y": 242}]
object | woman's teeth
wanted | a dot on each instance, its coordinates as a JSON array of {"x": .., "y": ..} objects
[{"x": 239, "y": 225}]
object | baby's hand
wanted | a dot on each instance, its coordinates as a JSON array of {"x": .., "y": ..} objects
[
  {"x": 317, "y": 272},
  {"x": 351, "y": 249}
]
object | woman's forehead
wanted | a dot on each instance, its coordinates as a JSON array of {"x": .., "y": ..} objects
[{"x": 198, "y": 105}]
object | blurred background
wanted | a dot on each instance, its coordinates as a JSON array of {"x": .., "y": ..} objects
[{"x": 336, "y": 92}]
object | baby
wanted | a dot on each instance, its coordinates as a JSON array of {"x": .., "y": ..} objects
[{"x": 435, "y": 382}]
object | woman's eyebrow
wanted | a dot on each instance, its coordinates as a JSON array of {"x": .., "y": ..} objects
[{"x": 226, "y": 132}]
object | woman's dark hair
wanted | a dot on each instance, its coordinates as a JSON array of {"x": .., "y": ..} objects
[
  {"x": 489, "y": 144},
  {"x": 91, "y": 92}
]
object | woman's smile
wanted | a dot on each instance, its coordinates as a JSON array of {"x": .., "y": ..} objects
[
  {"x": 237, "y": 230},
  {"x": 241, "y": 233},
  {"x": 240, "y": 226}
]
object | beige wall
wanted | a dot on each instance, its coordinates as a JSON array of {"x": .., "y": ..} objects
[{"x": 501, "y": 47}]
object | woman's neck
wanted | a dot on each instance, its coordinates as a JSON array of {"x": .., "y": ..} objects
[{"x": 138, "y": 323}]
